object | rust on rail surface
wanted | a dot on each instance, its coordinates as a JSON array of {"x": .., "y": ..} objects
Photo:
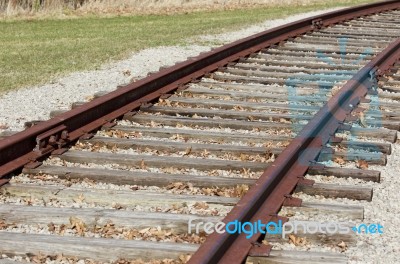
[{"x": 273, "y": 188}]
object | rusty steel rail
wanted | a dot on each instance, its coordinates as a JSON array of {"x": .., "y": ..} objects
[
  {"x": 273, "y": 189},
  {"x": 46, "y": 137}
]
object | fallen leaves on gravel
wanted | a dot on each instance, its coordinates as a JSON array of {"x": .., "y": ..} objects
[
  {"x": 246, "y": 173},
  {"x": 177, "y": 137},
  {"x": 335, "y": 90},
  {"x": 240, "y": 190},
  {"x": 205, "y": 154},
  {"x": 363, "y": 121},
  {"x": 89, "y": 98},
  {"x": 89, "y": 181},
  {"x": 188, "y": 151},
  {"x": 29, "y": 201},
  {"x": 297, "y": 241},
  {"x": 164, "y": 102},
  {"x": 51, "y": 227},
  {"x": 3, "y": 225},
  {"x": 79, "y": 199},
  {"x": 40, "y": 258},
  {"x": 153, "y": 124},
  {"x": 122, "y": 134},
  {"x": 339, "y": 160},
  {"x": 343, "y": 246},
  {"x": 201, "y": 205},
  {"x": 362, "y": 164},
  {"x": 118, "y": 206},
  {"x": 143, "y": 165},
  {"x": 180, "y": 187},
  {"x": 285, "y": 121},
  {"x": 244, "y": 157},
  {"x": 60, "y": 258},
  {"x": 78, "y": 225},
  {"x": 181, "y": 260}
]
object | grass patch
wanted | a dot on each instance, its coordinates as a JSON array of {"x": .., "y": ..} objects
[{"x": 36, "y": 51}]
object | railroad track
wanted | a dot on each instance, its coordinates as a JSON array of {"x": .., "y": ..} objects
[{"x": 254, "y": 130}]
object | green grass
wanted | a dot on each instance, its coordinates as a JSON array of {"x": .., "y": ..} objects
[{"x": 36, "y": 51}]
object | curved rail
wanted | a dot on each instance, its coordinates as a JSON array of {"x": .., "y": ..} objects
[
  {"x": 52, "y": 135},
  {"x": 273, "y": 188}
]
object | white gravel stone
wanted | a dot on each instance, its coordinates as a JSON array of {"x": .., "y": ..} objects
[
  {"x": 385, "y": 210},
  {"x": 35, "y": 103}
]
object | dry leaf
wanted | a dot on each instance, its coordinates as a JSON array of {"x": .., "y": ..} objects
[
  {"x": 246, "y": 173},
  {"x": 184, "y": 258},
  {"x": 335, "y": 90},
  {"x": 177, "y": 186},
  {"x": 89, "y": 181},
  {"x": 207, "y": 191},
  {"x": 205, "y": 154},
  {"x": 145, "y": 230},
  {"x": 363, "y": 122},
  {"x": 131, "y": 234},
  {"x": 270, "y": 157},
  {"x": 169, "y": 170},
  {"x": 201, "y": 205},
  {"x": 188, "y": 151},
  {"x": 214, "y": 212},
  {"x": 177, "y": 136},
  {"x": 51, "y": 227},
  {"x": 244, "y": 157},
  {"x": 78, "y": 225},
  {"x": 342, "y": 245},
  {"x": 153, "y": 124},
  {"x": 238, "y": 107},
  {"x": 40, "y": 258},
  {"x": 240, "y": 190},
  {"x": 89, "y": 98},
  {"x": 143, "y": 165},
  {"x": 362, "y": 164},
  {"x": 3, "y": 225},
  {"x": 213, "y": 173},
  {"x": 59, "y": 258},
  {"x": 297, "y": 241},
  {"x": 29, "y": 201},
  {"x": 339, "y": 160},
  {"x": 285, "y": 121},
  {"x": 62, "y": 229},
  {"x": 117, "y": 206},
  {"x": 79, "y": 199}
]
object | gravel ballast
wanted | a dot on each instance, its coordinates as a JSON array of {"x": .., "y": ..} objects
[{"x": 35, "y": 103}]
